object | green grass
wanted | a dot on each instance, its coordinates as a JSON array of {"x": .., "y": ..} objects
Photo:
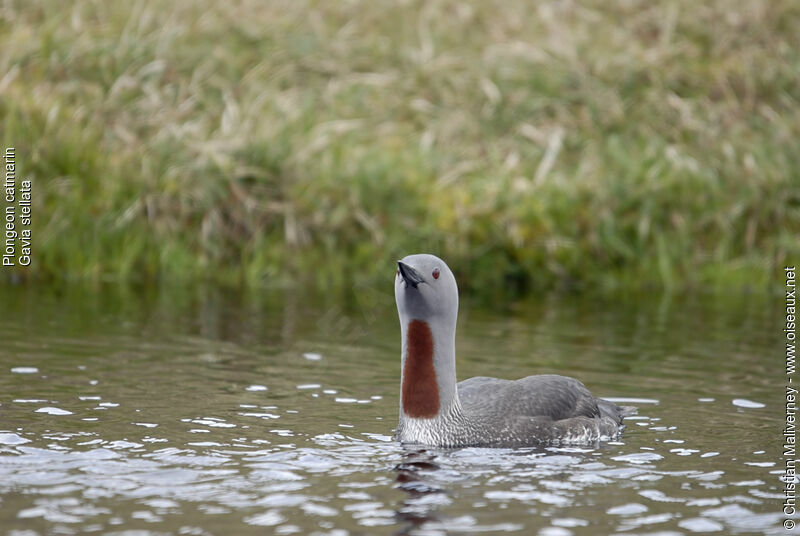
[{"x": 533, "y": 145}]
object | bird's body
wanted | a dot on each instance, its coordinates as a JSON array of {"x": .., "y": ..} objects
[{"x": 481, "y": 411}]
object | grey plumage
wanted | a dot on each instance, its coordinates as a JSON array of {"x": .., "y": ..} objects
[
  {"x": 482, "y": 411},
  {"x": 539, "y": 409}
]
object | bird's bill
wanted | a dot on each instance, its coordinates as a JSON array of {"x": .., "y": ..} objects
[{"x": 409, "y": 274}]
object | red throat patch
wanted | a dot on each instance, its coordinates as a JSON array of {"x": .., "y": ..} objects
[{"x": 420, "y": 392}]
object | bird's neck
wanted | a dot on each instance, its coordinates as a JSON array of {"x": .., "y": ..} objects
[{"x": 428, "y": 386}]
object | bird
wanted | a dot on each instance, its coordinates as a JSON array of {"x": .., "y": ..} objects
[{"x": 438, "y": 411}]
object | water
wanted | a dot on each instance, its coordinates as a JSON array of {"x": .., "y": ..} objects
[{"x": 206, "y": 412}]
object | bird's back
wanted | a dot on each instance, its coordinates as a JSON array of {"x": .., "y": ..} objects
[{"x": 549, "y": 406}]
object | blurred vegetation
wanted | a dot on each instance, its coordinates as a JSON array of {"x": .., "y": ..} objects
[{"x": 531, "y": 144}]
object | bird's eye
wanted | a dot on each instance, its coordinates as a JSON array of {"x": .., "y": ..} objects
[
  {"x": 398, "y": 272},
  {"x": 436, "y": 273}
]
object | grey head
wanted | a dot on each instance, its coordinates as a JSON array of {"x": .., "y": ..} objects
[{"x": 426, "y": 289}]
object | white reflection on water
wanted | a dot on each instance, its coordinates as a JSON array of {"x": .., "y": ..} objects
[
  {"x": 161, "y": 432},
  {"x": 335, "y": 480}
]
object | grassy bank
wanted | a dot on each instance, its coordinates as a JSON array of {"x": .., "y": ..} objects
[{"x": 560, "y": 144}]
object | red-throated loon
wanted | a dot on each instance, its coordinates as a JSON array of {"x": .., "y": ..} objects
[{"x": 436, "y": 410}]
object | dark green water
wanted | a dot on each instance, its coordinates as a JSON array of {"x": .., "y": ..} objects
[{"x": 206, "y": 412}]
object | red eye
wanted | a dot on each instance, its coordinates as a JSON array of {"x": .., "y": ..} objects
[
  {"x": 436, "y": 273},
  {"x": 398, "y": 272}
]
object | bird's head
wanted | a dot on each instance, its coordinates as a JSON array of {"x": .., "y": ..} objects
[{"x": 425, "y": 289}]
